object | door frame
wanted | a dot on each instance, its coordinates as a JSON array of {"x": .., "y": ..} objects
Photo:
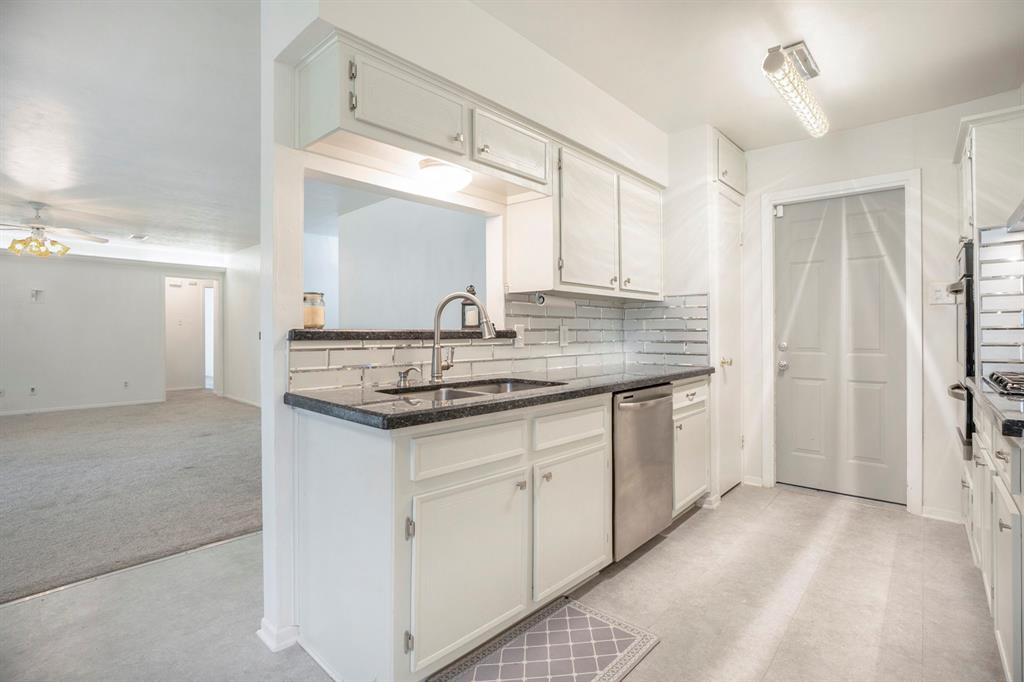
[{"x": 910, "y": 182}]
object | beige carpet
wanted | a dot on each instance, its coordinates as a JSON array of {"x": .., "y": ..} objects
[{"x": 86, "y": 492}]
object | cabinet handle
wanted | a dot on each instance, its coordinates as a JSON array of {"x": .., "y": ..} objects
[
  {"x": 964, "y": 484},
  {"x": 626, "y": 281},
  {"x": 521, "y": 485},
  {"x": 691, "y": 395},
  {"x": 1003, "y": 455},
  {"x": 458, "y": 137},
  {"x": 679, "y": 427},
  {"x": 1003, "y": 525},
  {"x": 725, "y": 172},
  {"x": 485, "y": 149},
  {"x": 547, "y": 476},
  {"x": 614, "y": 279},
  {"x": 978, "y": 462}
]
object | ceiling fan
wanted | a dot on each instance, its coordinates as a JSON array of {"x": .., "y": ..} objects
[{"x": 40, "y": 240}]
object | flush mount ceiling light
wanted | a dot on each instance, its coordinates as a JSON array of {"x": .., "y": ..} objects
[
  {"x": 788, "y": 68},
  {"x": 439, "y": 176}
]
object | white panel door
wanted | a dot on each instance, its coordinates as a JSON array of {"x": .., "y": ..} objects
[
  {"x": 589, "y": 223},
  {"x": 394, "y": 100},
  {"x": 640, "y": 236},
  {"x": 841, "y": 338},
  {"x": 726, "y": 380},
  {"x": 691, "y": 455},
  {"x": 571, "y": 519},
  {"x": 469, "y": 562}
]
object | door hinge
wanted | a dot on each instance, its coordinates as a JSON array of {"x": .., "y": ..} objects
[
  {"x": 561, "y": 263},
  {"x": 779, "y": 211},
  {"x": 409, "y": 642},
  {"x": 353, "y": 101},
  {"x": 410, "y": 528},
  {"x": 352, "y": 69},
  {"x": 559, "y": 162},
  {"x": 743, "y": 442}
]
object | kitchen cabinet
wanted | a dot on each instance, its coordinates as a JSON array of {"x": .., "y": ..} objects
[
  {"x": 981, "y": 518},
  {"x": 588, "y": 209},
  {"x": 692, "y": 446},
  {"x": 503, "y": 144},
  {"x": 730, "y": 164},
  {"x": 990, "y": 154},
  {"x": 567, "y": 543},
  {"x": 1007, "y": 580},
  {"x": 463, "y": 528},
  {"x": 469, "y": 569},
  {"x": 640, "y": 236}
]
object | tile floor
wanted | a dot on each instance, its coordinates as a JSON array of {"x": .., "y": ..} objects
[{"x": 775, "y": 584}]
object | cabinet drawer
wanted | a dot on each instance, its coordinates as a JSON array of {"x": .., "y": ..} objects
[
  {"x": 1006, "y": 457},
  {"x": 444, "y": 453},
  {"x": 569, "y": 427},
  {"x": 505, "y": 145},
  {"x": 982, "y": 425},
  {"x": 396, "y": 101},
  {"x": 732, "y": 166},
  {"x": 693, "y": 394}
]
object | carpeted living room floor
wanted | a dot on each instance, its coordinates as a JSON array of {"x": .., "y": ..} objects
[{"x": 85, "y": 492}]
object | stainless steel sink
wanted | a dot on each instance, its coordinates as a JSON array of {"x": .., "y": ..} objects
[
  {"x": 438, "y": 394},
  {"x": 508, "y": 386},
  {"x": 468, "y": 389}
]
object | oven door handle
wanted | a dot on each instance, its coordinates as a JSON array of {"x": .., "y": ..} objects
[
  {"x": 957, "y": 287},
  {"x": 958, "y": 391}
]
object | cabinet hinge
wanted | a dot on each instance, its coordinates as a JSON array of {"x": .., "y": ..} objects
[
  {"x": 352, "y": 69},
  {"x": 561, "y": 263},
  {"x": 410, "y": 528},
  {"x": 409, "y": 642},
  {"x": 779, "y": 211},
  {"x": 353, "y": 101},
  {"x": 743, "y": 442},
  {"x": 559, "y": 163}
]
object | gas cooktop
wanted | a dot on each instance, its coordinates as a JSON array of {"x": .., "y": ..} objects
[{"x": 1007, "y": 383}]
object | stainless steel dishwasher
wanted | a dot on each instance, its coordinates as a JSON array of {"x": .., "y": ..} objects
[{"x": 642, "y": 464}]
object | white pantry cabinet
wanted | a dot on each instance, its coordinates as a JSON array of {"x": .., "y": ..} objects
[
  {"x": 416, "y": 545},
  {"x": 692, "y": 444},
  {"x": 599, "y": 233}
]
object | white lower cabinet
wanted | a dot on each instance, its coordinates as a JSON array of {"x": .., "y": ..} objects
[
  {"x": 1007, "y": 579},
  {"x": 690, "y": 471},
  {"x": 567, "y": 542},
  {"x": 469, "y": 562}
]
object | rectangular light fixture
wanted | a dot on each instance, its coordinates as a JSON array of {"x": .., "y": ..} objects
[{"x": 787, "y": 77}]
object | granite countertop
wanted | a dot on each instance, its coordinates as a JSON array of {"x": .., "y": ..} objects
[
  {"x": 387, "y": 334},
  {"x": 370, "y": 407},
  {"x": 1009, "y": 411}
]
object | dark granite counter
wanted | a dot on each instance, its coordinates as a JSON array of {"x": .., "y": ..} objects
[
  {"x": 388, "y": 334},
  {"x": 1009, "y": 411},
  {"x": 371, "y": 407}
]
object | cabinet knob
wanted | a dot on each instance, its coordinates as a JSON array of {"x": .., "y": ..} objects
[
  {"x": 547, "y": 476},
  {"x": 1003, "y": 525},
  {"x": 458, "y": 137},
  {"x": 691, "y": 395},
  {"x": 725, "y": 173},
  {"x": 614, "y": 279},
  {"x": 725, "y": 362},
  {"x": 679, "y": 427},
  {"x": 521, "y": 485},
  {"x": 485, "y": 149},
  {"x": 1003, "y": 455},
  {"x": 626, "y": 281}
]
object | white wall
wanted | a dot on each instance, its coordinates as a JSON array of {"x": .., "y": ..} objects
[
  {"x": 923, "y": 141},
  {"x": 320, "y": 272},
  {"x": 687, "y": 212},
  {"x": 242, "y": 325},
  {"x": 100, "y": 324},
  {"x": 459, "y": 41},
  {"x": 184, "y": 333}
]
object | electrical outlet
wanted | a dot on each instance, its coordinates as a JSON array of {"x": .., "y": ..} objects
[
  {"x": 520, "y": 341},
  {"x": 938, "y": 294}
]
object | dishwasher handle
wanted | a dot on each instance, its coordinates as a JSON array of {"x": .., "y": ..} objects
[{"x": 645, "y": 404}]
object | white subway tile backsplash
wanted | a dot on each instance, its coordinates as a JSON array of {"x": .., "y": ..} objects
[
  {"x": 361, "y": 357},
  {"x": 306, "y": 359}
]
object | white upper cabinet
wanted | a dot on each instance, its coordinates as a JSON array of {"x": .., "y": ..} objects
[
  {"x": 589, "y": 223},
  {"x": 640, "y": 236},
  {"x": 997, "y": 156},
  {"x": 502, "y": 144},
  {"x": 730, "y": 164},
  {"x": 387, "y": 97}
]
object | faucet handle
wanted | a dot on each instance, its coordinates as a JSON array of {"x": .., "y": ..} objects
[
  {"x": 448, "y": 353},
  {"x": 403, "y": 376}
]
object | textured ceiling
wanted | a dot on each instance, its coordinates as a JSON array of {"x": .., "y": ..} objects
[
  {"x": 680, "y": 64},
  {"x": 133, "y": 117}
]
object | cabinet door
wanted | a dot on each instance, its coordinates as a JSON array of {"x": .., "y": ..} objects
[
  {"x": 469, "y": 562},
  {"x": 589, "y": 221},
  {"x": 1007, "y": 601},
  {"x": 391, "y": 99},
  {"x": 998, "y": 157},
  {"x": 572, "y": 514},
  {"x": 732, "y": 165},
  {"x": 640, "y": 236},
  {"x": 692, "y": 451},
  {"x": 505, "y": 145},
  {"x": 966, "y": 192}
]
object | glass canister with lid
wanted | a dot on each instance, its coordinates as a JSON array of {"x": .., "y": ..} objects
[{"x": 313, "y": 316}]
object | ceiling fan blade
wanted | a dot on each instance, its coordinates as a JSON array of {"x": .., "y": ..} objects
[
  {"x": 74, "y": 233},
  {"x": 12, "y": 226}
]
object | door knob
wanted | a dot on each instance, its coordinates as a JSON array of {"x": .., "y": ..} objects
[
  {"x": 783, "y": 346},
  {"x": 547, "y": 476},
  {"x": 725, "y": 362},
  {"x": 783, "y": 365}
]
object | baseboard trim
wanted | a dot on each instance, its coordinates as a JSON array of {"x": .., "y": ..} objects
[
  {"x": 68, "y": 408},
  {"x": 251, "y": 403},
  {"x": 711, "y": 502},
  {"x": 940, "y": 514},
  {"x": 753, "y": 480},
  {"x": 277, "y": 639},
  {"x": 188, "y": 388}
]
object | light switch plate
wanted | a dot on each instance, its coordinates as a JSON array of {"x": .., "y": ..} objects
[
  {"x": 937, "y": 294},
  {"x": 563, "y": 336}
]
